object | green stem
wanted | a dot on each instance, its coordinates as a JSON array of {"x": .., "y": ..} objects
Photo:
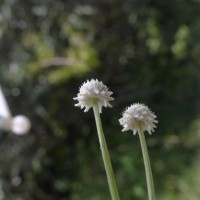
[
  {"x": 147, "y": 165},
  {"x": 106, "y": 158}
]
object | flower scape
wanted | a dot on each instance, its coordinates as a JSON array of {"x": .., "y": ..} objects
[
  {"x": 92, "y": 92},
  {"x": 95, "y": 94},
  {"x": 138, "y": 116}
]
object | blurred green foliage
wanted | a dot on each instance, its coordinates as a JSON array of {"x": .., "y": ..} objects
[{"x": 145, "y": 51}]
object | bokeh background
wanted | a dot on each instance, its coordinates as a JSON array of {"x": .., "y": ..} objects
[{"x": 144, "y": 51}]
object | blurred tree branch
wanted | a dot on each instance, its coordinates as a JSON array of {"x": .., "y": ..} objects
[{"x": 55, "y": 61}]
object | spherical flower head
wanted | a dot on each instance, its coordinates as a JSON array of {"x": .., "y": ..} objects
[
  {"x": 138, "y": 116},
  {"x": 93, "y": 92}
]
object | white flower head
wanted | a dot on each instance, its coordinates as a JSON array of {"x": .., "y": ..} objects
[
  {"x": 138, "y": 116},
  {"x": 92, "y": 92}
]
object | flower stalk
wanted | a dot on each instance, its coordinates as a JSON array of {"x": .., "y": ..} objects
[
  {"x": 105, "y": 154},
  {"x": 147, "y": 165},
  {"x": 94, "y": 94},
  {"x": 139, "y": 118}
]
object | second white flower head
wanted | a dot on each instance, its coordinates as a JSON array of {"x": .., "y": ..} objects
[
  {"x": 138, "y": 116},
  {"x": 92, "y": 92}
]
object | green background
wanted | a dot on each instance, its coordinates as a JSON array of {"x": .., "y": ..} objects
[{"x": 144, "y": 51}]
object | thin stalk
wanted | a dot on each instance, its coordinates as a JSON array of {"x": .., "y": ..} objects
[
  {"x": 147, "y": 165},
  {"x": 105, "y": 154}
]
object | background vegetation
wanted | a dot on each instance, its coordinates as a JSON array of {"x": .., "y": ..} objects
[{"x": 145, "y": 51}]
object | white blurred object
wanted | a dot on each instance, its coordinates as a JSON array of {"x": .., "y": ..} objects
[
  {"x": 4, "y": 109},
  {"x": 19, "y": 124}
]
